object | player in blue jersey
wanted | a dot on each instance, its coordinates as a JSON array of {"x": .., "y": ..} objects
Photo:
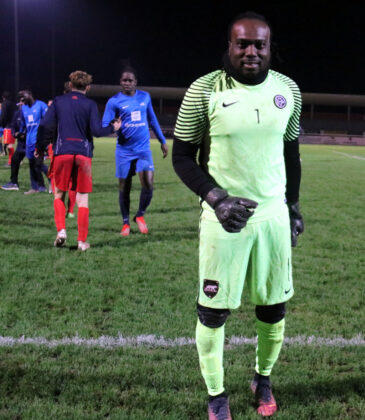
[
  {"x": 133, "y": 151},
  {"x": 32, "y": 112}
]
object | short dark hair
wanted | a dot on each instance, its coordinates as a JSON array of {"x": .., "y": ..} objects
[
  {"x": 128, "y": 69},
  {"x": 23, "y": 91},
  {"x": 248, "y": 15}
]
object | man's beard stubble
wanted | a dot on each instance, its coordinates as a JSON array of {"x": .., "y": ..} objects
[{"x": 253, "y": 79}]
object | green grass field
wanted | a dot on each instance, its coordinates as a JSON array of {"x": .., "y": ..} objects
[{"x": 144, "y": 288}]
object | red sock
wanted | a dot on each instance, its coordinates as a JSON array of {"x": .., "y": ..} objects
[
  {"x": 71, "y": 200},
  {"x": 59, "y": 214},
  {"x": 83, "y": 223},
  {"x": 11, "y": 152}
]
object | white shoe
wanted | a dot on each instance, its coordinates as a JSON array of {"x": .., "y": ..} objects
[
  {"x": 31, "y": 191},
  {"x": 60, "y": 238},
  {"x": 83, "y": 246}
]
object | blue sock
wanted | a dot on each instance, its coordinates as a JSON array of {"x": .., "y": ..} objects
[
  {"x": 124, "y": 202},
  {"x": 144, "y": 201}
]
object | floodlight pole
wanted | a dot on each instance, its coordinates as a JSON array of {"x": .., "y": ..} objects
[
  {"x": 16, "y": 46},
  {"x": 53, "y": 50}
]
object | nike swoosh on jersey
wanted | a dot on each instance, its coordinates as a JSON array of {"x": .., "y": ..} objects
[{"x": 229, "y": 104}]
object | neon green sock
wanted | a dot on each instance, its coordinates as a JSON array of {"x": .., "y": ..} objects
[
  {"x": 269, "y": 341},
  {"x": 210, "y": 342}
]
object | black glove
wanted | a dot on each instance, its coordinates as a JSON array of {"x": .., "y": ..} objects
[
  {"x": 296, "y": 222},
  {"x": 232, "y": 212}
]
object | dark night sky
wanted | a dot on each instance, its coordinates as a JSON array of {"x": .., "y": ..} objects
[{"x": 323, "y": 51}]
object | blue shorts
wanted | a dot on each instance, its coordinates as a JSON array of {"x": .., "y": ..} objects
[{"x": 124, "y": 160}]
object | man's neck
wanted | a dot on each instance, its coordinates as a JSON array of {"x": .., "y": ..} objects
[
  {"x": 129, "y": 93},
  {"x": 80, "y": 91}
]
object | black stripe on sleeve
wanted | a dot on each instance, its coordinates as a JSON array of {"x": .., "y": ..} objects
[{"x": 293, "y": 170}]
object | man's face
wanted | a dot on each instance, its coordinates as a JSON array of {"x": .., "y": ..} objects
[
  {"x": 128, "y": 83},
  {"x": 249, "y": 47},
  {"x": 26, "y": 98}
]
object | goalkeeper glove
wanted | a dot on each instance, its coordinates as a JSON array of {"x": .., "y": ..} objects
[
  {"x": 296, "y": 222},
  {"x": 232, "y": 212}
]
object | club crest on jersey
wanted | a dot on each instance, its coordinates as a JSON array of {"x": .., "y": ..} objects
[
  {"x": 280, "y": 101},
  {"x": 210, "y": 288}
]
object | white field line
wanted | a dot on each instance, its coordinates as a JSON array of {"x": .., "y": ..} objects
[
  {"x": 350, "y": 156},
  {"x": 161, "y": 342}
]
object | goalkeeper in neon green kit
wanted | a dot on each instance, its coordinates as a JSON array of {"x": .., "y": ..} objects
[{"x": 244, "y": 122}]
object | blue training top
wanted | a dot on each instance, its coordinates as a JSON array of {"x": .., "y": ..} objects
[
  {"x": 137, "y": 115},
  {"x": 31, "y": 117},
  {"x": 75, "y": 119}
]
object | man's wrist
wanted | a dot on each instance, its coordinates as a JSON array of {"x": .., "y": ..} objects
[
  {"x": 294, "y": 209},
  {"x": 215, "y": 196}
]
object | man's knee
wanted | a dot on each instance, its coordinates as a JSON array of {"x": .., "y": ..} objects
[
  {"x": 122, "y": 184},
  {"x": 82, "y": 199},
  {"x": 270, "y": 314},
  {"x": 146, "y": 178},
  {"x": 212, "y": 318}
]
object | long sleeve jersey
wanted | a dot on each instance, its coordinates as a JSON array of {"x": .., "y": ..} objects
[
  {"x": 240, "y": 131},
  {"x": 74, "y": 119},
  {"x": 137, "y": 116},
  {"x": 31, "y": 118}
]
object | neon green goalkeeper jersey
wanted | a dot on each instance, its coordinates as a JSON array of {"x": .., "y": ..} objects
[{"x": 240, "y": 129}]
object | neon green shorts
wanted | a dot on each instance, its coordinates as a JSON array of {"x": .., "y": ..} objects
[{"x": 258, "y": 257}]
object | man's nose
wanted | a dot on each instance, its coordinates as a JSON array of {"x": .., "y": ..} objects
[{"x": 251, "y": 50}]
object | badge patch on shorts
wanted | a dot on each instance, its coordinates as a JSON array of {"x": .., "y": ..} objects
[
  {"x": 280, "y": 101},
  {"x": 210, "y": 288}
]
